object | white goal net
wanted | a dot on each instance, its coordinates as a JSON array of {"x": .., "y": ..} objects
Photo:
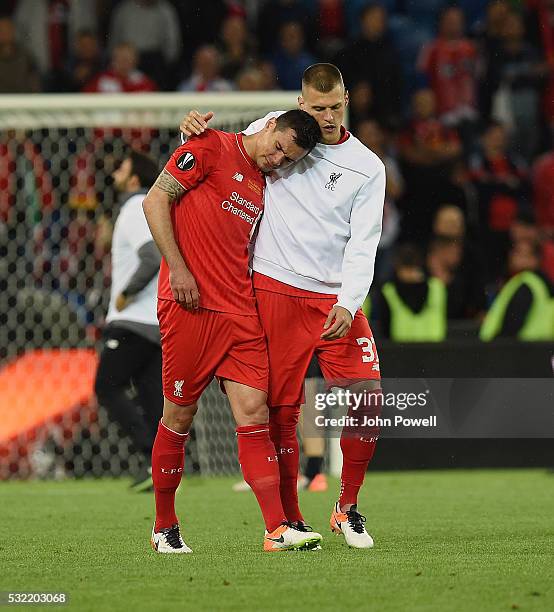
[{"x": 57, "y": 153}]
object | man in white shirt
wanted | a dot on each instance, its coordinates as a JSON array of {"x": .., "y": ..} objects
[
  {"x": 131, "y": 353},
  {"x": 313, "y": 265}
]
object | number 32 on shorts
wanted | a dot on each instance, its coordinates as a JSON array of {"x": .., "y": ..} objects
[{"x": 368, "y": 352}]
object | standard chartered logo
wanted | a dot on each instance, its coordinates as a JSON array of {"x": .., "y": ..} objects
[{"x": 228, "y": 206}]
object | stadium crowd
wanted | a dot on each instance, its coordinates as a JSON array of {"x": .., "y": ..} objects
[{"x": 456, "y": 99}]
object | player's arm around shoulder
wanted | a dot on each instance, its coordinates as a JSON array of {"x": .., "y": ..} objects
[{"x": 196, "y": 123}]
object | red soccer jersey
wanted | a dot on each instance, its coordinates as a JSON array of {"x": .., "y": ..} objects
[{"x": 214, "y": 219}]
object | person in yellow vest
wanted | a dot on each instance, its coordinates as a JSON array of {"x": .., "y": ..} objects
[
  {"x": 413, "y": 305},
  {"x": 524, "y": 307}
]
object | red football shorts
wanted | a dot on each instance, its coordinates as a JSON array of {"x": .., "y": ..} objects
[
  {"x": 196, "y": 346},
  {"x": 293, "y": 326}
]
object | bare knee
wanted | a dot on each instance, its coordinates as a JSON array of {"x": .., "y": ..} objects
[
  {"x": 249, "y": 405},
  {"x": 252, "y": 411},
  {"x": 178, "y": 418}
]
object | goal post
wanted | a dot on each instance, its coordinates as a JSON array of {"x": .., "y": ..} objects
[{"x": 157, "y": 110}]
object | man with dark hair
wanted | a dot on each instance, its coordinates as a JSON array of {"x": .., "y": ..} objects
[
  {"x": 131, "y": 354},
  {"x": 202, "y": 211},
  {"x": 313, "y": 265}
]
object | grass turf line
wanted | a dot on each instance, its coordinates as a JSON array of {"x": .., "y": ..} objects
[{"x": 457, "y": 540}]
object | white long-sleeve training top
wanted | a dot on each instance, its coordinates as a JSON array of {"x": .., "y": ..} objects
[{"x": 322, "y": 220}]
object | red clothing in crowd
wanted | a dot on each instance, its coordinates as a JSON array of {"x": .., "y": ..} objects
[
  {"x": 110, "y": 82},
  {"x": 450, "y": 68},
  {"x": 545, "y": 20},
  {"x": 430, "y": 132},
  {"x": 543, "y": 190}
]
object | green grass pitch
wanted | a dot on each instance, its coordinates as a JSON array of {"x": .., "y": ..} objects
[{"x": 456, "y": 540}]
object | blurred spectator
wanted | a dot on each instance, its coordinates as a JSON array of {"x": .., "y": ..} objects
[
  {"x": 427, "y": 141},
  {"x": 84, "y": 63},
  {"x": 501, "y": 182},
  {"x": 373, "y": 58},
  {"x": 428, "y": 151},
  {"x": 123, "y": 76},
  {"x": 543, "y": 192},
  {"x": 374, "y": 137},
  {"x": 523, "y": 307},
  {"x": 200, "y": 24},
  {"x": 458, "y": 263},
  {"x": 250, "y": 79},
  {"x": 206, "y": 72},
  {"x": 449, "y": 222},
  {"x": 449, "y": 62},
  {"x": 412, "y": 307},
  {"x": 512, "y": 85},
  {"x": 542, "y": 27},
  {"x": 276, "y": 13},
  {"x": 236, "y": 47},
  {"x": 268, "y": 71},
  {"x": 17, "y": 70},
  {"x": 47, "y": 29},
  {"x": 444, "y": 260},
  {"x": 489, "y": 39},
  {"x": 291, "y": 59},
  {"x": 524, "y": 229},
  {"x": 152, "y": 27},
  {"x": 490, "y": 34},
  {"x": 331, "y": 27},
  {"x": 360, "y": 98}
]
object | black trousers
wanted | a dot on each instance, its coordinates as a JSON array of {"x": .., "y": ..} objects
[{"x": 129, "y": 360}]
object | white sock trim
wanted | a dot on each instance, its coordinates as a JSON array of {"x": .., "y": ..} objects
[{"x": 172, "y": 431}]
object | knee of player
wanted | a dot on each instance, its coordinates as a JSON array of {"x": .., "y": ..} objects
[
  {"x": 254, "y": 410},
  {"x": 178, "y": 418}
]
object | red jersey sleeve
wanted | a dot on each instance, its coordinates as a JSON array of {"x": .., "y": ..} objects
[{"x": 191, "y": 163}]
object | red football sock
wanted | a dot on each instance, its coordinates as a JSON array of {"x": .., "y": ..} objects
[
  {"x": 282, "y": 428},
  {"x": 358, "y": 445},
  {"x": 261, "y": 471},
  {"x": 168, "y": 459}
]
